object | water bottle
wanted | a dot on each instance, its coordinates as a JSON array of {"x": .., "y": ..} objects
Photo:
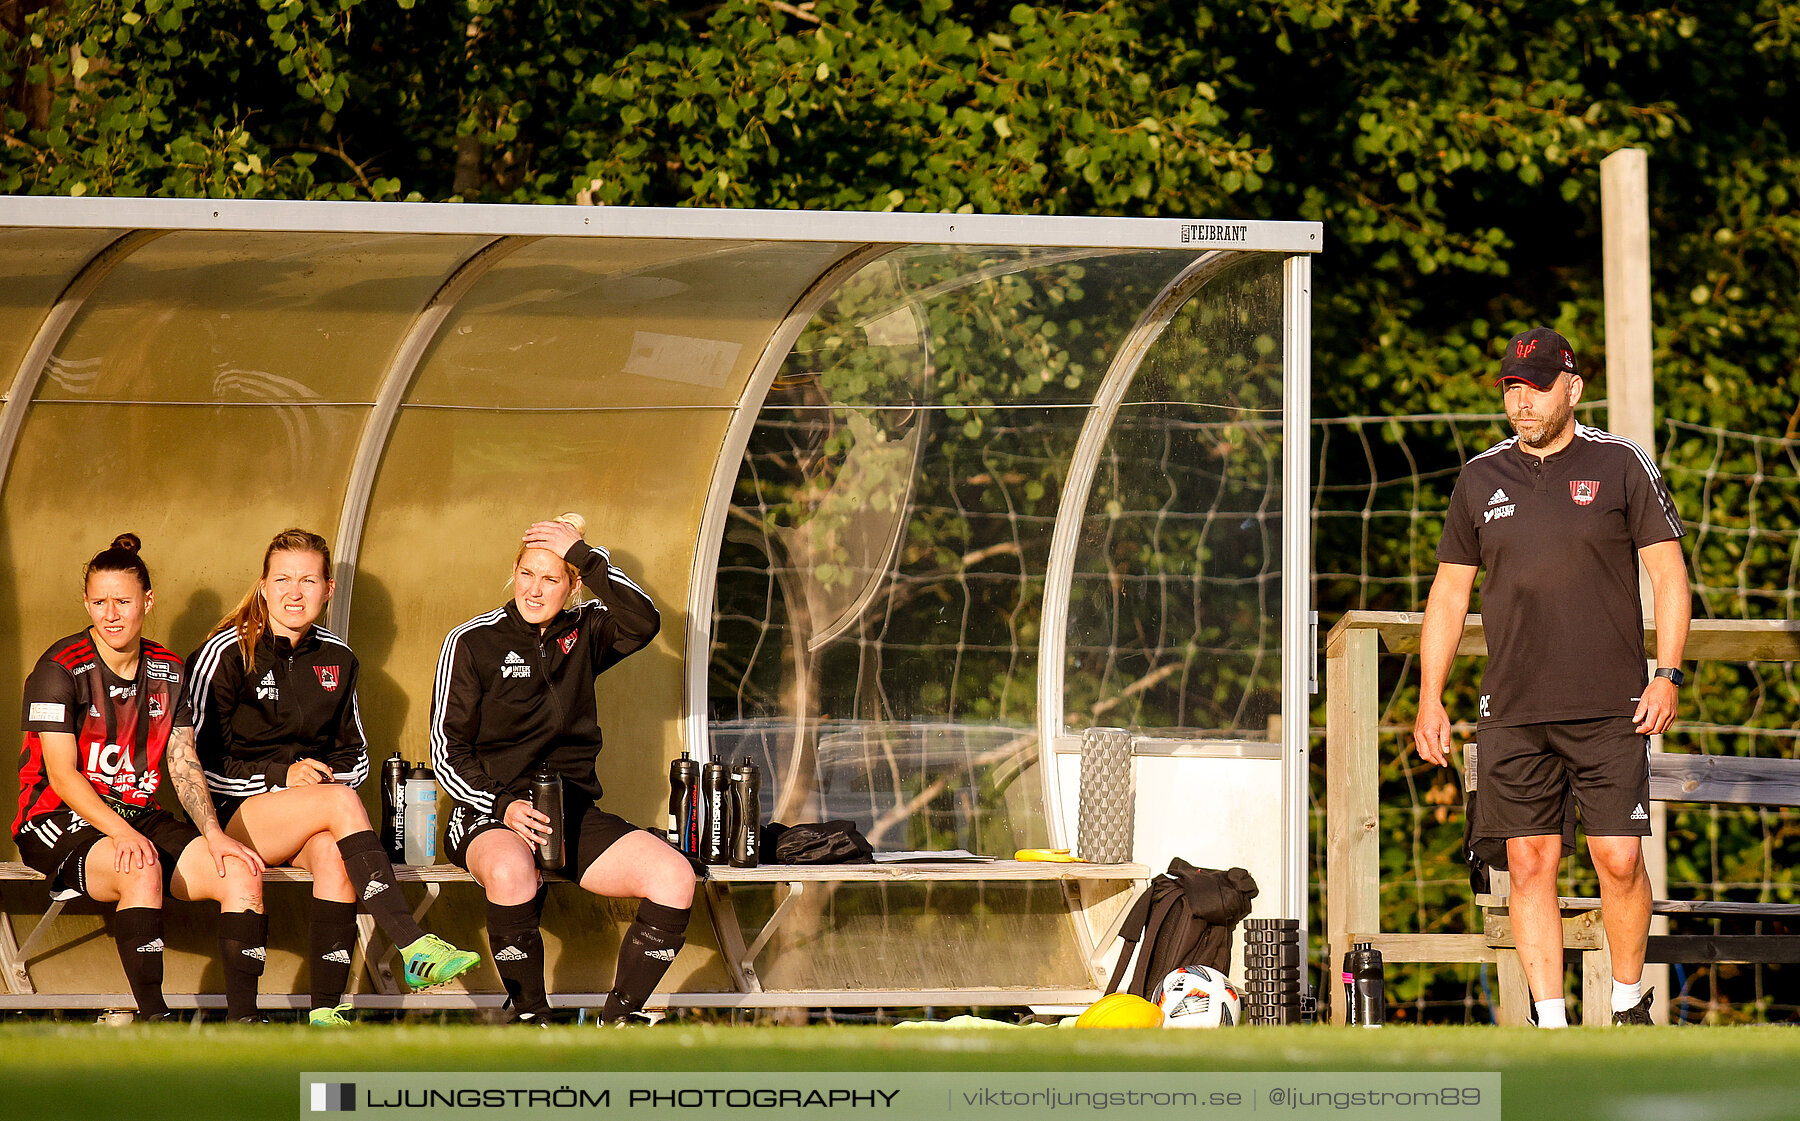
[
  {"x": 393, "y": 808},
  {"x": 1365, "y": 992},
  {"x": 715, "y": 791},
  {"x": 684, "y": 804},
  {"x": 746, "y": 813},
  {"x": 547, "y": 799},
  {"x": 421, "y": 816}
]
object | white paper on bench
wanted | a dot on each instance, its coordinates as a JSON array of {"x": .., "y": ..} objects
[{"x": 921, "y": 856}]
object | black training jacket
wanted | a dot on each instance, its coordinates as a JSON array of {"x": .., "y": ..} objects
[
  {"x": 509, "y": 699},
  {"x": 298, "y": 703}
]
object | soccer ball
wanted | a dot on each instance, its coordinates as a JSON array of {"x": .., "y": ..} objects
[
  {"x": 1120, "y": 1010},
  {"x": 1196, "y": 996}
]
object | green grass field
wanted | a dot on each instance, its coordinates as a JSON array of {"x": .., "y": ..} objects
[{"x": 142, "y": 1073}]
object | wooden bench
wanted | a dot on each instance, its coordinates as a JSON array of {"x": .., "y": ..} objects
[
  {"x": 1098, "y": 894},
  {"x": 1353, "y": 756},
  {"x": 16, "y": 957}
]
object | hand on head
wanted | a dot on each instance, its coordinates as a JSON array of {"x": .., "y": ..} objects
[{"x": 554, "y": 537}]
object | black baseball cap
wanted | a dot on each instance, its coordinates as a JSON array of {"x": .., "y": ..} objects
[{"x": 1536, "y": 357}]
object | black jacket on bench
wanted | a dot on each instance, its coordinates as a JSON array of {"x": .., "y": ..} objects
[
  {"x": 298, "y": 703},
  {"x": 509, "y": 699}
]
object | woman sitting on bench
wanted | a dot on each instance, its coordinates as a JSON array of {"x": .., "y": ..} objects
[
  {"x": 281, "y": 739},
  {"x": 515, "y": 692},
  {"x": 102, "y": 708}
]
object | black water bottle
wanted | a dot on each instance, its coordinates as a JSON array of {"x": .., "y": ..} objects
[
  {"x": 715, "y": 791},
  {"x": 393, "y": 808},
  {"x": 547, "y": 799},
  {"x": 1365, "y": 992},
  {"x": 746, "y": 813},
  {"x": 684, "y": 804}
]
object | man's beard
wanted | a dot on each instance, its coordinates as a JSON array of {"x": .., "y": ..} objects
[{"x": 1550, "y": 429}]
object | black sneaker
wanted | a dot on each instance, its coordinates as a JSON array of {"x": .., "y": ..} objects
[
  {"x": 633, "y": 1020},
  {"x": 531, "y": 1020},
  {"x": 1638, "y": 1015}
]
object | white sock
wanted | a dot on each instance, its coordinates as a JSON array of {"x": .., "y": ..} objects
[
  {"x": 1553, "y": 1013},
  {"x": 1627, "y": 996}
]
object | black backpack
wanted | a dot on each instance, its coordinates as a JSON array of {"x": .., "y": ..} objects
[{"x": 1186, "y": 918}]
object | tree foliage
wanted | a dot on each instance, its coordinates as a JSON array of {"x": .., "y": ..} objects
[{"x": 1451, "y": 150}]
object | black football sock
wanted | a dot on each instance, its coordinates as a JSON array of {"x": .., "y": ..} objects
[
  {"x": 518, "y": 947},
  {"x": 243, "y": 948},
  {"x": 649, "y": 949},
  {"x": 373, "y": 874},
  {"x": 333, "y": 938},
  {"x": 139, "y": 932}
]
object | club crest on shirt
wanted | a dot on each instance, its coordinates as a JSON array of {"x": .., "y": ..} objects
[
  {"x": 328, "y": 677},
  {"x": 1583, "y": 491},
  {"x": 156, "y": 707},
  {"x": 567, "y": 641}
]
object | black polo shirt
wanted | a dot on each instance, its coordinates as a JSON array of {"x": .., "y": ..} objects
[{"x": 1558, "y": 538}]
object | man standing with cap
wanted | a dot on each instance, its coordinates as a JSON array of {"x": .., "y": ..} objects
[{"x": 1558, "y": 515}]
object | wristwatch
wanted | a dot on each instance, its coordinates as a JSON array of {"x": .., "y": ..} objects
[{"x": 1673, "y": 674}]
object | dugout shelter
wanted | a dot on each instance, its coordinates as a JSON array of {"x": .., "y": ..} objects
[{"x": 922, "y": 498}]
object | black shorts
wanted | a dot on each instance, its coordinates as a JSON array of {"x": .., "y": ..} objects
[
  {"x": 227, "y": 807},
  {"x": 1525, "y": 776},
  {"x": 590, "y": 831},
  {"x": 62, "y": 859}
]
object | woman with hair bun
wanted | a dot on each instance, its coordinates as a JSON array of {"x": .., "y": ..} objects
[
  {"x": 281, "y": 740},
  {"x": 515, "y": 693},
  {"x": 104, "y": 708}
]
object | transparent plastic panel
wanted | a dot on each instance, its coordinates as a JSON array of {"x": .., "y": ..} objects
[
  {"x": 618, "y": 324},
  {"x": 454, "y": 496},
  {"x": 928, "y": 325},
  {"x": 1175, "y": 611},
  {"x": 35, "y": 267},
  {"x": 298, "y": 319},
  {"x": 205, "y": 489},
  {"x": 881, "y": 580},
  {"x": 903, "y": 692},
  {"x": 923, "y": 937}
]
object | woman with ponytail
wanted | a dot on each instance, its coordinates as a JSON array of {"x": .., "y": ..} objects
[
  {"x": 104, "y": 709},
  {"x": 515, "y": 693},
  {"x": 281, "y": 741}
]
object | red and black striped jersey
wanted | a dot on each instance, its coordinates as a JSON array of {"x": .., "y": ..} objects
[{"x": 121, "y": 728}]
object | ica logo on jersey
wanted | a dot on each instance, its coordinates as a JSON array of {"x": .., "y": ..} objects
[{"x": 107, "y": 760}]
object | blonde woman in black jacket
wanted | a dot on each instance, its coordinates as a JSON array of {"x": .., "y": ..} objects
[
  {"x": 280, "y": 736},
  {"x": 515, "y": 692}
]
